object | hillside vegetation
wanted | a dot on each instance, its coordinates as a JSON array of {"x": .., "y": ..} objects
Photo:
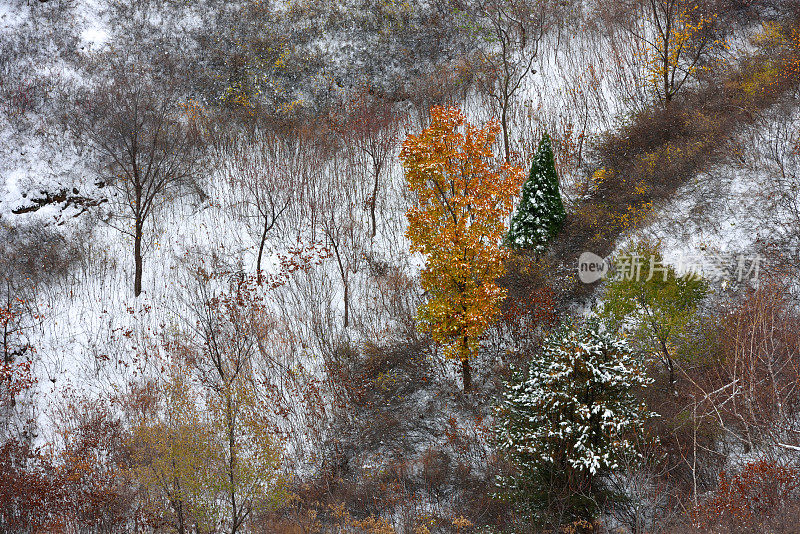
[{"x": 394, "y": 267}]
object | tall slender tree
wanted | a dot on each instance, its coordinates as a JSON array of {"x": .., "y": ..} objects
[
  {"x": 464, "y": 194},
  {"x": 230, "y": 330},
  {"x": 147, "y": 152},
  {"x": 511, "y": 31},
  {"x": 369, "y": 129}
]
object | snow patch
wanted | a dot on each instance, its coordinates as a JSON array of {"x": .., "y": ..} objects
[{"x": 94, "y": 38}]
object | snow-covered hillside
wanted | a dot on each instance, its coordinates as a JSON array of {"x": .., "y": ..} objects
[{"x": 295, "y": 114}]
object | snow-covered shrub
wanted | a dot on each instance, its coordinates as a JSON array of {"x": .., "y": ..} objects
[{"x": 568, "y": 422}]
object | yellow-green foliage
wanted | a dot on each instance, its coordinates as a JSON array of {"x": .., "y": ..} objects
[
  {"x": 778, "y": 62},
  {"x": 193, "y": 452},
  {"x": 173, "y": 452},
  {"x": 251, "y": 453},
  {"x": 764, "y": 75},
  {"x": 655, "y": 305}
]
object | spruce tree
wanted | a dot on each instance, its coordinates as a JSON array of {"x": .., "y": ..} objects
[
  {"x": 540, "y": 213},
  {"x": 567, "y": 422}
]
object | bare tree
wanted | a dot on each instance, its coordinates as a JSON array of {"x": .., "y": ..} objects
[
  {"x": 511, "y": 31},
  {"x": 753, "y": 392},
  {"x": 770, "y": 153},
  {"x": 335, "y": 204},
  {"x": 369, "y": 128},
  {"x": 147, "y": 147},
  {"x": 268, "y": 173}
]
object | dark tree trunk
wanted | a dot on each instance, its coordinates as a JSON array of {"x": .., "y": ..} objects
[
  {"x": 670, "y": 365},
  {"x": 504, "y": 125},
  {"x": 6, "y": 350},
  {"x": 667, "y": 89},
  {"x": 7, "y": 361},
  {"x": 235, "y": 519},
  {"x": 346, "y": 304},
  {"x": 373, "y": 201},
  {"x": 181, "y": 520},
  {"x": 343, "y": 274},
  {"x": 261, "y": 250},
  {"x": 466, "y": 374},
  {"x": 667, "y": 85},
  {"x": 137, "y": 258}
]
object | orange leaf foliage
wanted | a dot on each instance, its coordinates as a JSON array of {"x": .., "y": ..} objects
[
  {"x": 464, "y": 196},
  {"x": 760, "y": 490}
]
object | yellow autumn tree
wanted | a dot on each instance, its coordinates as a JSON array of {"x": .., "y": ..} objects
[
  {"x": 231, "y": 331},
  {"x": 678, "y": 36},
  {"x": 172, "y": 454},
  {"x": 464, "y": 195},
  {"x": 206, "y": 454}
]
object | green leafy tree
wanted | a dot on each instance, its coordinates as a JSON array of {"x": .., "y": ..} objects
[
  {"x": 653, "y": 305},
  {"x": 568, "y": 422},
  {"x": 540, "y": 214}
]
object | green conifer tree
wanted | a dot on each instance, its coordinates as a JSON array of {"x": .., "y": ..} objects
[
  {"x": 566, "y": 423},
  {"x": 540, "y": 213}
]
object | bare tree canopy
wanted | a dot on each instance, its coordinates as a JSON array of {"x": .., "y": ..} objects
[{"x": 147, "y": 144}]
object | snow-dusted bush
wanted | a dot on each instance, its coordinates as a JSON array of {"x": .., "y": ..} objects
[{"x": 568, "y": 422}]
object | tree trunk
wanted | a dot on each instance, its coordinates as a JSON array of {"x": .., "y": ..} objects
[
  {"x": 232, "y": 466},
  {"x": 137, "y": 258},
  {"x": 179, "y": 504},
  {"x": 670, "y": 365},
  {"x": 466, "y": 374},
  {"x": 6, "y": 351},
  {"x": 373, "y": 200},
  {"x": 504, "y": 125},
  {"x": 346, "y": 303},
  {"x": 667, "y": 64},
  {"x": 343, "y": 274},
  {"x": 667, "y": 89},
  {"x": 181, "y": 520},
  {"x": 7, "y": 361},
  {"x": 261, "y": 250}
]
